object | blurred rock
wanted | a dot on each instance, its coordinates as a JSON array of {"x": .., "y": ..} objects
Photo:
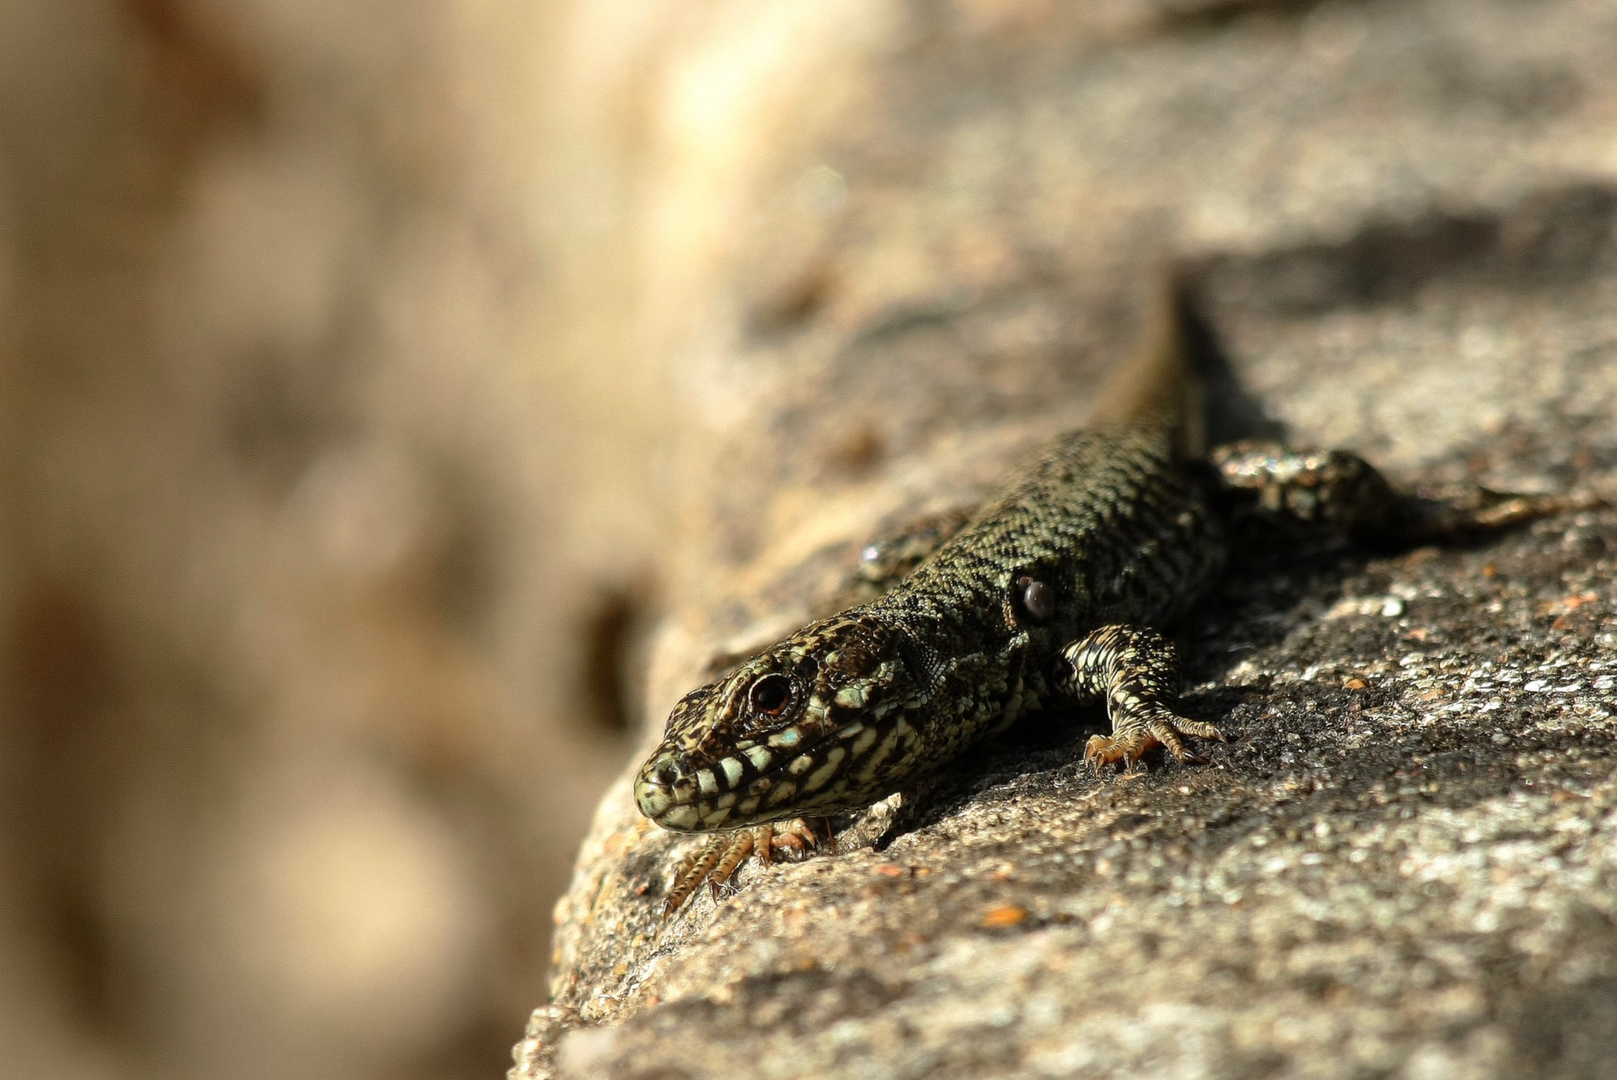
[
  {"x": 1395, "y": 221},
  {"x": 313, "y": 466}
]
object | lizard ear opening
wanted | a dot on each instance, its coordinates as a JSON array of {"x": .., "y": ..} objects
[{"x": 1033, "y": 598}]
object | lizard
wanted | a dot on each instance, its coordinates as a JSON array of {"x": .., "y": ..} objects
[{"x": 1059, "y": 586}]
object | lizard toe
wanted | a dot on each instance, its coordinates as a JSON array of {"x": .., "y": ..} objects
[
  {"x": 716, "y": 862},
  {"x": 1134, "y": 739}
]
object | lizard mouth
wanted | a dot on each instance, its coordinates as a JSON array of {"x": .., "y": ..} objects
[{"x": 781, "y": 777}]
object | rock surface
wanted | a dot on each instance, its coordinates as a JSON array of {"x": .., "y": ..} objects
[{"x": 1397, "y": 221}]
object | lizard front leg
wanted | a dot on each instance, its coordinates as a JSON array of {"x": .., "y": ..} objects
[
  {"x": 717, "y": 860},
  {"x": 1135, "y": 670}
]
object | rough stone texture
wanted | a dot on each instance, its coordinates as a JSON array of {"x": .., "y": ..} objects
[{"x": 1397, "y": 221}]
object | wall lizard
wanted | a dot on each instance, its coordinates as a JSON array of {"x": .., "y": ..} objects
[{"x": 1058, "y": 587}]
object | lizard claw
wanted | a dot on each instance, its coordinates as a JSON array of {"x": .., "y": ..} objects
[
  {"x": 1136, "y": 671},
  {"x": 721, "y": 856},
  {"x": 1135, "y": 736}
]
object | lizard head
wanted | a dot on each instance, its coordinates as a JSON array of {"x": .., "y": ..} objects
[{"x": 819, "y": 723}]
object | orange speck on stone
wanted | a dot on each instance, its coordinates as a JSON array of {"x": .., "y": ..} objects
[
  {"x": 1354, "y": 683},
  {"x": 1008, "y": 915},
  {"x": 889, "y": 870}
]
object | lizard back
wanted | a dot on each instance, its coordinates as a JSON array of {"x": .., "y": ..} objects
[{"x": 1105, "y": 526}]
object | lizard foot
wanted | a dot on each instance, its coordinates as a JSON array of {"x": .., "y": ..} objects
[
  {"x": 717, "y": 860},
  {"x": 1135, "y": 671},
  {"x": 1133, "y": 737},
  {"x": 1485, "y": 511}
]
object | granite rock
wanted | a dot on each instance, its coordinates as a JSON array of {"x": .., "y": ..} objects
[{"x": 1395, "y": 225}]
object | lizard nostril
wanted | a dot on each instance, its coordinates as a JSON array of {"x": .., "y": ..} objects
[{"x": 666, "y": 774}]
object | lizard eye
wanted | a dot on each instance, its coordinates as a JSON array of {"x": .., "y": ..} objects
[{"x": 771, "y": 694}]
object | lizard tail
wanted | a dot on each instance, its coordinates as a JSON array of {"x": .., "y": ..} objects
[{"x": 1157, "y": 386}]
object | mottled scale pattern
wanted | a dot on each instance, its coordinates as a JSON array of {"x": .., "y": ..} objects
[
  {"x": 1055, "y": 586},
  {"x": 1135, "y": 671}
]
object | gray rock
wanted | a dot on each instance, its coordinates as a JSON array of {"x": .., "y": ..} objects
[{"x": 1397, "y": 226}]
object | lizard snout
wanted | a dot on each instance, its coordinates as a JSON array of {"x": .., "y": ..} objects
[
  {"x": 685, "y": 796},
  {"x": 664, "y": 792}
]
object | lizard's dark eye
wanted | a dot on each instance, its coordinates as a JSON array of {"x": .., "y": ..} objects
[{"x": 771, "y": 694}]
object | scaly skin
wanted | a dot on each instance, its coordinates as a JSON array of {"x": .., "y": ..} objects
[
  {"x": 1104, "y": 529},
  {"x": 1057, "y": 586},
  {"x": 1052, "y": 588}
]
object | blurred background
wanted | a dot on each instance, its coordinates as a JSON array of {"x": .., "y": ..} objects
[
  {"x": 327, "y": 509},
  {"x": 361, "y": 361}
]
